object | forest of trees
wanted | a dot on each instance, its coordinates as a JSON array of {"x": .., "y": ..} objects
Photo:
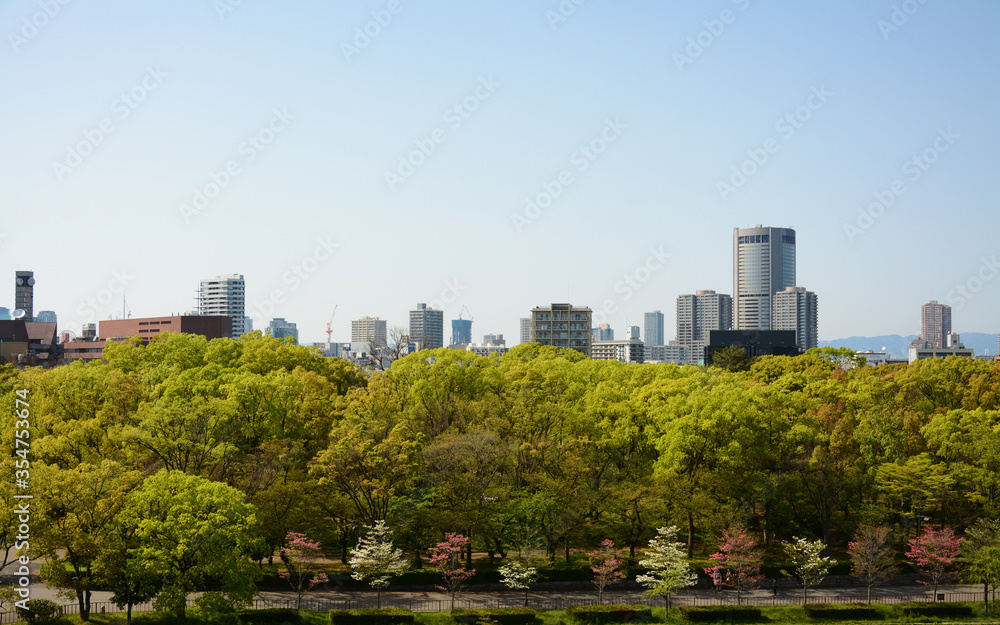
[{"x": 538, "y": 443}]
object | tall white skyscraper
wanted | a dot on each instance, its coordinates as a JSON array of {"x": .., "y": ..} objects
[
  {"x": 225, "y": 295},
  {"x": 653, "y": 330},
  {"x": 795, "y": 308},
  {"x": 369, "y": 330},
  {"x": 697, "y": 314},
  {"x": 763, "y": 264},
  {"x": 526, "y": 330}
]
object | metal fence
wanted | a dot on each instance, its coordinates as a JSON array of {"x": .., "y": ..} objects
[{"x": 539, "y": 603}]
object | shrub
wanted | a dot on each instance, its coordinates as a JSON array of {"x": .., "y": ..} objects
[
  {"x": 934, "y": 609},
  {"x": 840, "y": 612},
  {"x": 269, "y": 616},
  {"x": 610, "y": 613},
  {"x": 705, "y": 614},
  {"x": 39, "y": 611},
  {"x": 385, "y": 616},
  {"x": 503, "y": 616}
]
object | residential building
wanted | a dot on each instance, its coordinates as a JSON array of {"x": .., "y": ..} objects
[
  {"x": 653, "y": 330},
  {"x": 632, "y": 332},
  {"x": 795, "y": 308},
  {"x": 562, "y": 325},
  {"x": 488, "y": 349},
  {"x": 629, "y": 350},
  {"x": 461, "y": 331},
  {"x": 225, "y": 295},
  {"x": 494, "y": 339},
  {"x": 603, "y": 332},
  {"x": 526, "y": 330},
  {"x": 935, "y": 326},
  {"x": 427, "y": 327},
  {"x": 281, "y": 329},
  {"x": 763, "y": 264},
  {"x": 24, "y": 294},
  {"x": 922, "y": 353},
  {"x": 697, "y": 315},
  {"x": 673, "y": 353},
  {"x": 369, "y": 330}
]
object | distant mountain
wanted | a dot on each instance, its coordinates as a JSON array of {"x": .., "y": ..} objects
[{"x": 899, "y": 346}]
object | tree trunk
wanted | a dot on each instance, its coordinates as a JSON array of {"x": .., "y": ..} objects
[
  {"x": 567, "y": 548},
  {"x": 83, "y": 598},
  {"x": 690, "y": 534},
  {"x": 343, "y": 549},
  {"x": 869, "y": 594},
  {"x": 986, "y": 597},
  {"x": 468, "y": 552}
]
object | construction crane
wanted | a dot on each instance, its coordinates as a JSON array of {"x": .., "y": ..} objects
[
  {"x": 329, "y": 327},
  {"x": 466, "y": 309}
]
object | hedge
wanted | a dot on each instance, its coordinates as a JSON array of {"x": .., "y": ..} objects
[
  {"x": 40, "y": 611},
  {"x": 934, "y": 609},
  {"x": 610, "y": 613},
  {"x": 270, "y": 615},
  {"x": 385, "y": 616},
  {"x": 705, "y": 614},
  {"x": 840, "y": 611},
  {"x": 504, "y": 616}
]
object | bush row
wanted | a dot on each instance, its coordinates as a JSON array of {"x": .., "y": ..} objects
[
  {"x": 385, "y": 616},
  {"x": 611, "y": 613},
  {"x": 706, "y": 614},
  {"x": 503, "y": 616}
]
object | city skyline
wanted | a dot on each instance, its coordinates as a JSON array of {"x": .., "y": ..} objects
[{"x": 341, "y": 156}]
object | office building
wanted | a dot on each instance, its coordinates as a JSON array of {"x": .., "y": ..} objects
[
  {"x": 754, "y": 343},
  {"x": 653, "y": 330},
  {"x": 632, "y": 332},
  {"x": 369, "y": 330},
  {"x": 5, "y": 314},
  {"x": 795, "y": 308},
  {"x": 427, "y": 327},
  {"x": 487, "y": 349},
  {"x": 923, "y": 353},
  {"x": 603, "y": 332},
  {"x": 225, "y": 295},
  {"x": 24, "y": 294},
  {"x": 763, "y": 264},
  {"x": 697, "y": 315},
  {"x": 46, "y": 316},
  {"x": 629, "y": 350},
  {"x": 526, "y": 330},
  {"x": 562, "y": 325},
  {"x": 494, "y": 339},
  {"x": 673, "y": 353},
  {"x": 461, "y": 331},
  {"x": 90, "y": 346},
  {"x": 281, "y": 329}
]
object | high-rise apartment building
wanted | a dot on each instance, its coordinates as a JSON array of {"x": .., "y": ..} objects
[
  {"x": 603, "y": 332},
  {"x": 47, "y": 316},
  {"x": 369, "y": 330},
  {"x": 281, "y": 329},
  {"x": 795, "y": 308},
  {"x": 526, "y": 330},
  {"x": 24, "y": 294},
  {"x": 653, "y": 330},
  {"x": 225, "y": 295},
  {"x": 763, "y": 264},
  {"x": 633, "y": 332},
  {"x": 699, "y": 313},
  {"x": 562, "y": 325},
  {"x": 461, "y": 331},
  {"x": 935, "y": 324},
  {"x": 427, "y": 327}
]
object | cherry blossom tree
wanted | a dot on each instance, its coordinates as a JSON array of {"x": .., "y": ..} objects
[
  {"x": 446, "y": 557},
  {"x": 606, "y": 564},
  {"x": 301, "y": 566},
  {"x": 935, "y": 554},
  {"x": 871, "y": 556},
  {"x": 739, "y": 561},
  {"x": 375, "y": 559}
]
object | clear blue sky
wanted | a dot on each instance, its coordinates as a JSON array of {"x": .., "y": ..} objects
[{"x": 676, "y": 118}]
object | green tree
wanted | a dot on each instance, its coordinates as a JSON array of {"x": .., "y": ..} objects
[
  {"x": 981, "y": 557},
  {"x": 667, "y": 565},
  {"x": 190, "y": 531}
]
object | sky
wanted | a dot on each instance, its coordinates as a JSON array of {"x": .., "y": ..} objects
[{"x": 490, "y": 157}]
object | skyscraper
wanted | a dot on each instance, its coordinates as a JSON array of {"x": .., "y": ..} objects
[
  {"x": 461, "y": 331},
  {"x": 935, "y": 324},
  {"x": 699, "y": 313},
  {"x": 24, "y": 293},
  {"x": 653, "y": 330},
  {"x": 369, "y": 330},
  {"x": 763, "y": 264},
  {"x": 225, "y": 295},
  {"x": 526, "y": 330},
  {"x": 795, "y": 308},
  {"x": 562, "y": 325},
  {"x": 427, "y": 327},
  {"x": 603, "y": 332},
  {"x": 281, "y": 329}
]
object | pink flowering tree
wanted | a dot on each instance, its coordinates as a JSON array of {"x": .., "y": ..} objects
[
  {"x": 606, "y": 564},
  {"x": 739, "y": 559},
  {"x": 301, "y": 570},
  {"x": 446, "y": 557},
  {"x": 872, "y": 558},
  {"x": 935, "y": 554}
]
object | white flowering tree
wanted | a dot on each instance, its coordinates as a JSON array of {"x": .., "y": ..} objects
[
  {"x": 517, "y": 575},
  {"x": 667, "y": 565},
  {"x": 375, "y": 560},
  {"x": 810, "y": 567}
]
